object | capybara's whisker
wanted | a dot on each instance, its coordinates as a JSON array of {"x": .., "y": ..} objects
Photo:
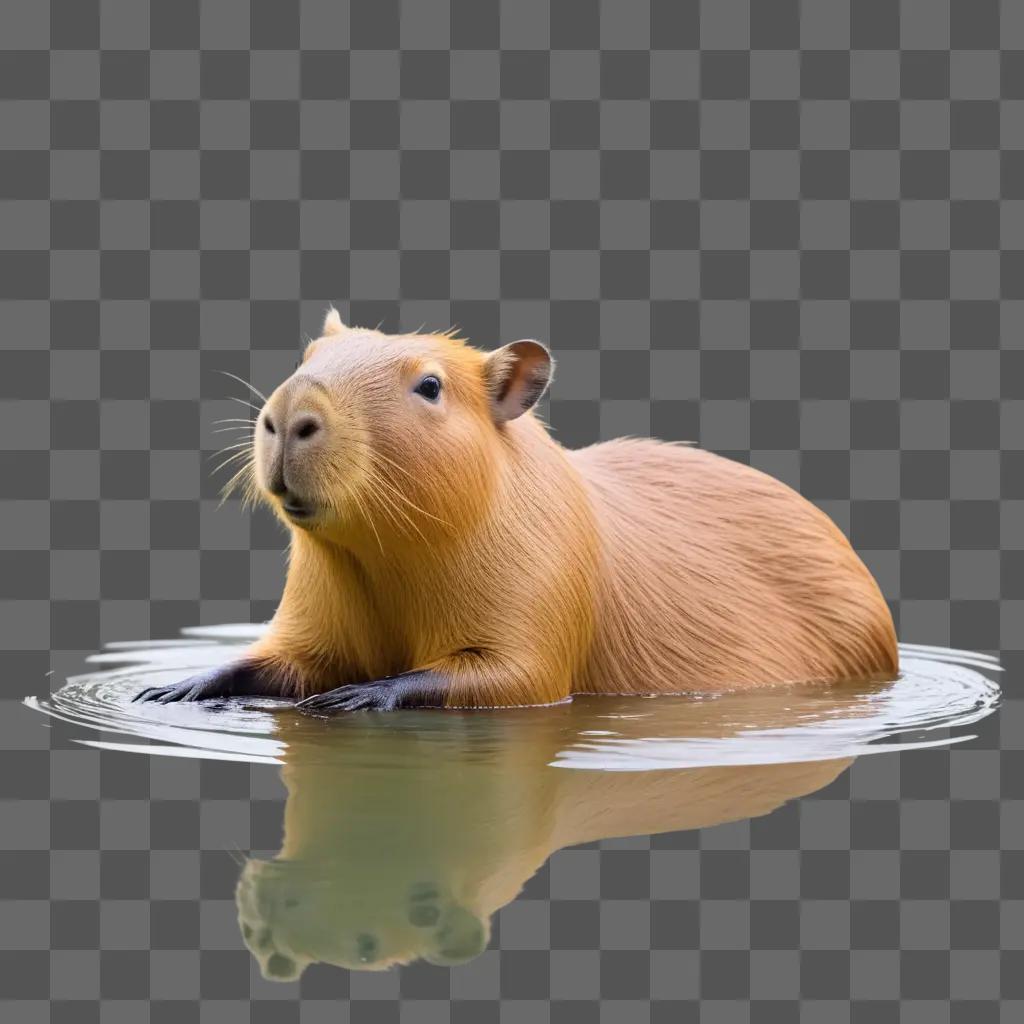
[
  {"x": 244, "y": 401},
  {"x": 245, "y": 431},
  {"x": 256, "y": 391},
  {"x": 230, "y": 459},
  {"x": 246, "y": 445},
  {"x": 369, "y": 521}
]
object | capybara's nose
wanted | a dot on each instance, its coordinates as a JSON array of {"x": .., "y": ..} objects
[{"x": 303, "y": 426}]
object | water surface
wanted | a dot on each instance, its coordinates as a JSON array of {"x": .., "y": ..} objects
[{"x": 403, "y": 833}]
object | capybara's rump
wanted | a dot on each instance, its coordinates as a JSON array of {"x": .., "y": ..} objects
[{"x": 719, "y": 575}]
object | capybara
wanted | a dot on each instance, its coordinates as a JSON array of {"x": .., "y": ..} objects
[{"x": 446, "y": 551}]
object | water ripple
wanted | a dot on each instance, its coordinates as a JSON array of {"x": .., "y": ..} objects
[{"x": 938, "y": 691}]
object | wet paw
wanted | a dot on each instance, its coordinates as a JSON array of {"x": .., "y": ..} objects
[
  {"x": 189, "y": 690},
  {"x": 230, "y": 680},
  {"x": 357, "y": 697},
  {"x": 420, "y": 688}
]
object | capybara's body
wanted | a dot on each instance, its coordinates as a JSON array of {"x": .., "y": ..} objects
[
  {"x": 448, "y": 552},
  {"x": 720, "y": 574}
]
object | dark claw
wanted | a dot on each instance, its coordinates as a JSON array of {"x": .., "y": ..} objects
[
  {"x": 236, "y": 679},
  {"x": 182, "y": 692},
  {"x": 185, "y": 691},
  {"x": 420, "y": 688},
  {"x": 357, "y": 697}
]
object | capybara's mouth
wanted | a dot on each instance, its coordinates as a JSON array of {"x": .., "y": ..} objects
[{"x": 297, "y": 510}]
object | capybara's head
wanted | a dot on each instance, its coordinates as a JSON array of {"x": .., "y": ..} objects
[{"x": 391, "y": 434}]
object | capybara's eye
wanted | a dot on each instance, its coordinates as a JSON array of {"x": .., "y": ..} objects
[{"x": 429, "y": 388}]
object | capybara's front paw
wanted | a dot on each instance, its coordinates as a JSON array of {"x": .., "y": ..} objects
[
  {"x": 420, "y": 688},
  {"x": 357, "y": 697},
  {"x": 200, "y": 687},
  {"x": 236, "y": 679},
  {"x": 184, "y": 691}
]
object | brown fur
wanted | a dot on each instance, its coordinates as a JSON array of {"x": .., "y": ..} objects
[{"x": 461, "y": 539}]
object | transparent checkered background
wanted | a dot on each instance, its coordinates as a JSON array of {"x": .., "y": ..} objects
[{"x": 792, "y": 232}]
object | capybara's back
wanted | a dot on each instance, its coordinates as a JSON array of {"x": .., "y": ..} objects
[{"x": 716, "y": 574}]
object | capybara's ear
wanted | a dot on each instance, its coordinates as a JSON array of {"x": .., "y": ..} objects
[
  {"x": 332, "y": 323},
  {"x": 517, "y": 376}
]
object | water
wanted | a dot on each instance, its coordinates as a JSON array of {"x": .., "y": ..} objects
[{"x": 403, "y": 833}]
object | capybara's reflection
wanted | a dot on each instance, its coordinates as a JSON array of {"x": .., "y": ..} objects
[{"x": 404, "y": 833}]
